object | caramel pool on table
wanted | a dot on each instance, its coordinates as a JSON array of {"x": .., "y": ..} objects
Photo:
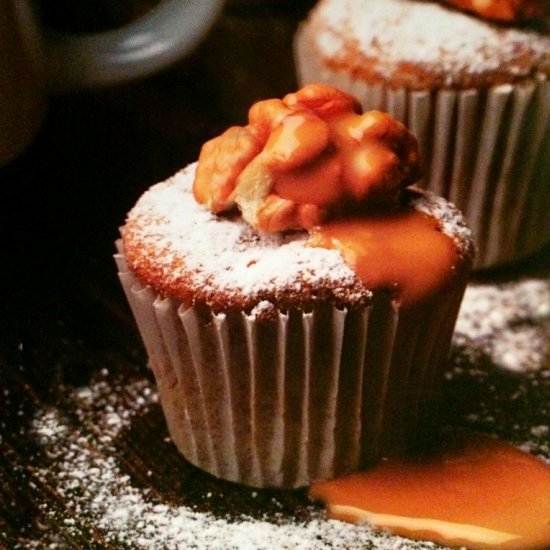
[{"x": 479, "y": 492}]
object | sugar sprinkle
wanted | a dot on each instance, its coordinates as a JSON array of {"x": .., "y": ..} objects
[{"x": 93, "y": 482}]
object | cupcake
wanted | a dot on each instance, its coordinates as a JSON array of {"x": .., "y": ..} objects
[
  {"x": 475, "y": 93},
  {"x": 295, "y": 294}
]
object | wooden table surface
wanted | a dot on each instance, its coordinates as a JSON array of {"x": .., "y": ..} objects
[{"x": 73, "y": 374}]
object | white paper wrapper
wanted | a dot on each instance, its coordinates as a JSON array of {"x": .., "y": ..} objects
[
  {"x": 486, "y": 150},
  {"x": 302, "y": 397}
]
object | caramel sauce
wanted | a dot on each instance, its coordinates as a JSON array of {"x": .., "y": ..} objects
[
  {"x": 403, "y": 251},
  {"x": 478, "y": 492},
  {"x": 317, "y": 183}
]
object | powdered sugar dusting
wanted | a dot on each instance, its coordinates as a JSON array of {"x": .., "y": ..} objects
[
  {"x": 217, "y": 255},
  {"x": 227, "y": 255},
  {"x": 510, "y": 323},
  {"x": 450, "y": 218},
  {"x": 425, "y": 34}
]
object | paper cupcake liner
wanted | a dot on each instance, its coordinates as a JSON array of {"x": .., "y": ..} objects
[
  {"x": 487, "y": 150},
  {"x": 303, "y": 396}
]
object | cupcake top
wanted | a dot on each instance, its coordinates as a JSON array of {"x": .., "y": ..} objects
[
  {"x": 184, "y": 250},
  {"x": 258, "y": 224},
  {"x": 417, "y": 44}
]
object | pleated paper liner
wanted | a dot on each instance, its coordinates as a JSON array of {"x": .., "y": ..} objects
[
  {"x": 486, "y": 150},
  {"x": 303, "y": 396}
]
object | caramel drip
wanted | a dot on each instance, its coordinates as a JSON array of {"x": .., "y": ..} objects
[
  {"x": 480, "y": 493},
  {"x": 405, "y": 252}
]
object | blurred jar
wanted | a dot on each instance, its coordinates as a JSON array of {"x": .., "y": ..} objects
[{"x": 37, "y": 59}]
